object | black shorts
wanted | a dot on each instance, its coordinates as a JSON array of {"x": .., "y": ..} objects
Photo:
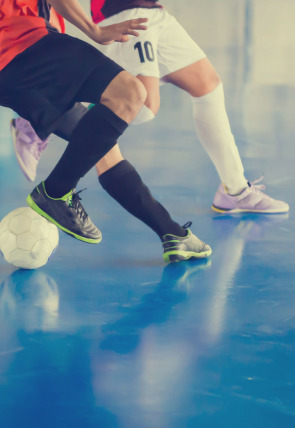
[{"x": 46, "y": 80}]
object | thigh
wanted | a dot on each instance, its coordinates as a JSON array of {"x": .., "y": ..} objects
[{"x": 176, "y": 49}]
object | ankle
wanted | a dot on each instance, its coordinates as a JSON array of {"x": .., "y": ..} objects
[{"x": 236, "y": 192}]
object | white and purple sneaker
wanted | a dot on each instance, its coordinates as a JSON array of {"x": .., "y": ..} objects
[
  {"x": 250, "y": 200},
  {"x": 27, "y": 146}
]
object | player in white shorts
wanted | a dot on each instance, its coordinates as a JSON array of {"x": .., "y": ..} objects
[{"x": 165, "y": 53}]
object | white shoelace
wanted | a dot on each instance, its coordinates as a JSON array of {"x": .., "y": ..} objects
[{"x": 256, "y": 186}]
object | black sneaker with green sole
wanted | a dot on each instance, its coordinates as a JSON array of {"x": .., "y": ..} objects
[
  {"x": 67, "y": 213},
  {"x": 189, "y": 247}
]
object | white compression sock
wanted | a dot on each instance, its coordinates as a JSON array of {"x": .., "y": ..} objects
[
  {"x": 213, "y": 130},
  {"x": 145, "y": 115}
]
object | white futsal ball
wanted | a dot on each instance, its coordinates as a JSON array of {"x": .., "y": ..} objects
[{"x": 27, "y": 239}]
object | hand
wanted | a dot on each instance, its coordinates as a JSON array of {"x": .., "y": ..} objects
[{"x": 118, "y": 32}]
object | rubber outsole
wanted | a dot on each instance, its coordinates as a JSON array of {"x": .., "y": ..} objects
[
  {"x": 238, "y": 211},
  {"x": 179, "y": 256},
  {"x": 35, "y": 207}
]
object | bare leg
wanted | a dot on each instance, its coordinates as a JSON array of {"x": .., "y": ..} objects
[{"x": 112, "y": 158}]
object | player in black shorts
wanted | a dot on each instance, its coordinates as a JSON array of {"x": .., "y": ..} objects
[{"x": 43, "y": 74}]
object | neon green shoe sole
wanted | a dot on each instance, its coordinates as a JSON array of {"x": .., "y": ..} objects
[
  {"x": 35, "y": 207},
  {"x": 179, "y": 256}
]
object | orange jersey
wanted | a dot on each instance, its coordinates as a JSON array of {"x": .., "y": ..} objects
[{"x": 22, "y": 24}]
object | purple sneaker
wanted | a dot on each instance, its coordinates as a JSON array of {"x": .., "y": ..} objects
[
  {"x": 27, "y": 146},
  {"x": 251, "y": 200}
]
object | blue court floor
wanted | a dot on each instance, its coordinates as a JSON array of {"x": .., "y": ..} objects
[{"x": 107, "y": 336}]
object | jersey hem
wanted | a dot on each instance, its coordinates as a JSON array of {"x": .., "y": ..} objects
[
  {"x": 14, "y": 52},
  {"x": 97, "y": 21}
]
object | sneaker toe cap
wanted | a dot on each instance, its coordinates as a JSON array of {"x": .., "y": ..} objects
[
  {"x": 206, "y": 249},
  {"x": 92, "y": 232},
  {"x": 272, "y": 205}
]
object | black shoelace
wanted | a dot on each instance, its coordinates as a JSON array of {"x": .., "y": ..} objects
[{"x": 77, "y": 206}]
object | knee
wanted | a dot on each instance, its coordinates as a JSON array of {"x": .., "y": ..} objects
[
  {"x": 135, "y": 96},
  {"x": 125, "y": 96},
  {"x": 204, "y": 81},
  {"x": 210, "y": 82},
  {"x": 214, "y": 81}
]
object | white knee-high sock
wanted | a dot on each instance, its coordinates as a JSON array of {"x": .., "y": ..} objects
[
  {"x": 213, "y": 130},
  {"x": 145, "y": 115}
]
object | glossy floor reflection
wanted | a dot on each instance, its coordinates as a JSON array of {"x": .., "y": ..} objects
[{"x": 107, "y": 336}]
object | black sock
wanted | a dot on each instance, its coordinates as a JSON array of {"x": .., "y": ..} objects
[
  {"x": 124, "y": 184},
  {"x": 95, "y": 134}
]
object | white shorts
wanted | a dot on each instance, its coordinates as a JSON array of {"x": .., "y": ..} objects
[{"x": 163, "y": 48}]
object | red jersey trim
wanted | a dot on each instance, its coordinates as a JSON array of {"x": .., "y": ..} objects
[
  {"x": 96, "y": 13},
  {"x": 62, "y": 24},
  {"x": 102, "y": 9}
]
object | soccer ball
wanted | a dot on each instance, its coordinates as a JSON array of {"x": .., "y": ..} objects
[{"x": 27, "y": 240}]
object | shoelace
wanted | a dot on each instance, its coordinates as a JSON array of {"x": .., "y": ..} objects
[
  {"x": 36, "y": 152},
  {"x": 257, "y": 186},
  {"x": 187, "y": 225},
  {"x": 74, "y": 202},
  {"x": 39, "y": 148},
  {"x": 42, "y": 144}
]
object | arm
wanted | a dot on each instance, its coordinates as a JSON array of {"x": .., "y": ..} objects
[{"x": 73, "y": 12}]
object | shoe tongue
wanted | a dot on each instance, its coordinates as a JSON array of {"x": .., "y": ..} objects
[{"x": 68, "y": 195}]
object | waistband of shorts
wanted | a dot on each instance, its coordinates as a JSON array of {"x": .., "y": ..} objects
[{"x": 134, "y": 7}]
